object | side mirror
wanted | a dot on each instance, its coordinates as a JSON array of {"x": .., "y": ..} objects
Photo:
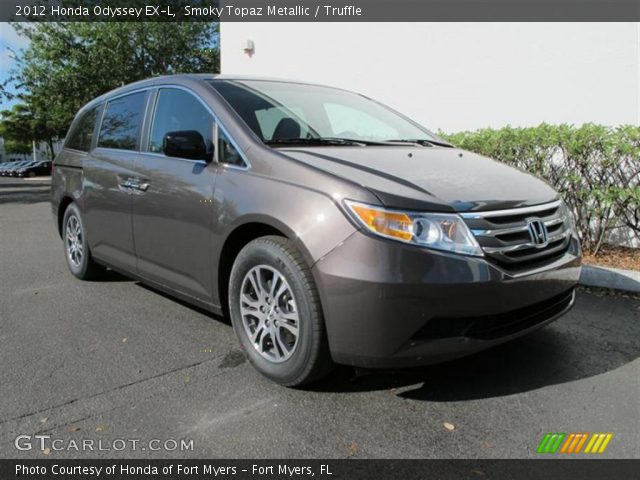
[{"x": 187, "y": 144}]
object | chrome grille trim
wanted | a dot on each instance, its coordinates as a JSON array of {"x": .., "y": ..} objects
[
  {"x": 524, "y": 228},
  {"x": 512, "y": 211},
  {"x": 506, "y": 240},
  {"x": 523, "y": 246}
]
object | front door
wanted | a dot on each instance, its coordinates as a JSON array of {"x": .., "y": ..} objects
[{"x": 172, "y": 201}]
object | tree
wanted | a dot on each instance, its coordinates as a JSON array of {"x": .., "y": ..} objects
[
  {"x": 68, "y": 64},
  {"x": 16, "y": 146},
  {"x": 23, "y": 124},
  {"x": 17, "y": 127}
]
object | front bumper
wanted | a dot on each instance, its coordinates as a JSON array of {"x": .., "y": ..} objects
[{"x": 392, "y": 305}]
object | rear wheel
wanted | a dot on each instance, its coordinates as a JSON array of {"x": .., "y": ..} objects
[
  {"x": 76, "y": 248},
  {"x": 276, "y": 314}
]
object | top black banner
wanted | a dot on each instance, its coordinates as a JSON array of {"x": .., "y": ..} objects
[{"x": 320, "y": 10}]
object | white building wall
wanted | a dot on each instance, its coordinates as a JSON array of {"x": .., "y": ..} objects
[{"x": 458, "y": 76}]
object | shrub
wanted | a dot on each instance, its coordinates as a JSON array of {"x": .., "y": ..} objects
[{"x": 595, "y": 168}]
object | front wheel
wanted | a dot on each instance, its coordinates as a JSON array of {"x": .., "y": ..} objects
[
  {"x": 276, "y": 313},
  {"x": 76, "y": 247}
]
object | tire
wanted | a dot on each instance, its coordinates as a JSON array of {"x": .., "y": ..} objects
[
  {"x": 288, "y": 359},
  {"x": 76, "y": 248},
  {"x": 31, "y": 174}
]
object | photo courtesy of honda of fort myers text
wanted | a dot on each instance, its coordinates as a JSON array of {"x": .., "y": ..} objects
[{"x": 363, "y": 239}]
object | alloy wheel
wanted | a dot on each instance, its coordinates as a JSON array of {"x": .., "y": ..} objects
[
  {"x": 74, "y": 241},
  {"x": 269, "y": 313}
]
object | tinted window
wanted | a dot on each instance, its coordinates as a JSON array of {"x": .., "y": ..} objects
[
  {"x": 179, "y": 111},
  {"x": 81, "y": 135},
  {"x": 121, "y": 122},
  {"x": 227, "y": 153}
]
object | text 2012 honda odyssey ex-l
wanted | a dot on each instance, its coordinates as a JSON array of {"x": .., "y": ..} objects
[{"x": 330, "y": 227}]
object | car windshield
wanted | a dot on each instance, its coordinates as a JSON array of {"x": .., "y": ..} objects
[{"x": 282, "y": 113}]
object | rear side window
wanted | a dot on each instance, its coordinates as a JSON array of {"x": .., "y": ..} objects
[
  {"x": 177, "y": 111},
  {"x": 121, "y": 122},
  {"x": 80, "y": 136}
]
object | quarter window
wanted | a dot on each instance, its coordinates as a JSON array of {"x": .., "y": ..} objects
[
  {"x": 80, "y": 136},
  {"x": 227, "y": 153},
  {"x": 179, "y": 111},
  {"x": 121, "y": 122}
]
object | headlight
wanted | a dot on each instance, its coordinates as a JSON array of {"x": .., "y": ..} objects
[{"x": 439, "y": 231}]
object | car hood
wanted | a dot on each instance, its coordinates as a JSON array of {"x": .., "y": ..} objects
[{"x": 434, "y": 178}]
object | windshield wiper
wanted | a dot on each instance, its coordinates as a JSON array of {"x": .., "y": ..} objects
[
  {"x": 316, "y": 141},
  {"x": 423, "y": 141},
  {"x": 351, "y": 142},
  {"x": 357, "y": 141}
]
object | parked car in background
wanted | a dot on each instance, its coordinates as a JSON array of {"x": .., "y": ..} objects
[
  {"x": 10, "y": 167},
  {"x": 328, "y": 226},
  {"x": 34, "y": 169},
  {"x": 4, "y": 167},
  {"x": 26, "y": 168}
]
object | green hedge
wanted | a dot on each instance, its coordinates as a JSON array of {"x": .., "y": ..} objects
[{"x": 595, "y": 168}]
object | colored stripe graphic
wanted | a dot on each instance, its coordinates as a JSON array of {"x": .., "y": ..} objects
[
  {"x": 598, "y": 443},
  {"x": 581, "y": 442},
  {"x": 574, "y": 443},
  {"x": 607, "y": 439},
  {"x": 551, "y": 442},
  {"x": 568, "y": 443}
]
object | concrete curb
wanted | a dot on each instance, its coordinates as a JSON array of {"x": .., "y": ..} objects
[{"x": 627, "y": 280}]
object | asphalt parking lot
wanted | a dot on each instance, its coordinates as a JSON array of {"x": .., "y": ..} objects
[{"x": 114, "y": 360}]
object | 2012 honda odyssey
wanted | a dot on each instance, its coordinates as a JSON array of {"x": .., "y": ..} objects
[{"x": 329, "y": 227}]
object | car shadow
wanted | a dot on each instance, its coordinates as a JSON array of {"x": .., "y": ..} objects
[
  {"x": 570, "y": 349},
  {"x": 111, "y": 276},
  {"x": 220, "y": 318}
]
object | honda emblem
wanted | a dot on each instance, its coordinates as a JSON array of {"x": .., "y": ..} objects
[{"x": 537, "y": 232}]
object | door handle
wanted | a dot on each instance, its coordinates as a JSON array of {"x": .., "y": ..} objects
[
  {"x": 135, "y": 184},
  {"x": 127, "y": 183}
]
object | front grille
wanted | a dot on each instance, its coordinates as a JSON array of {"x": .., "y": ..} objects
[
  {"x": 507, "y": 241},
  {"x": 490, "y": 327}
]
